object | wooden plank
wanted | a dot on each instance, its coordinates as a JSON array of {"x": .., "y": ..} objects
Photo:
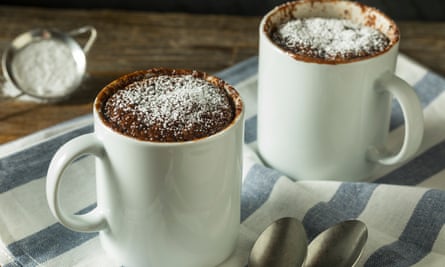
[{"x": 129, "y": 40}]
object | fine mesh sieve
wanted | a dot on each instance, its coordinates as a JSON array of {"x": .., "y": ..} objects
[{"x": 47, "y": 64}]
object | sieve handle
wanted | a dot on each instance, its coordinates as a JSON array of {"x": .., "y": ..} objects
[{"x": 86, "y": 29}]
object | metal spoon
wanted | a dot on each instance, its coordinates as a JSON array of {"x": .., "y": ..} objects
[
  {"x": 282, "y": 244},
  {"x": 340, "y": 245}
]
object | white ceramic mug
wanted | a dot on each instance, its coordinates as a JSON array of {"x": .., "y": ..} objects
[
  {"x": 158, "y": 204},
  {"x": 318, "y": 120}
]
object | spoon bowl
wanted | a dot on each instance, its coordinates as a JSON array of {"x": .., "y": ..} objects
[
  {"x": 282, "y": 244},
  {"x": 340, "y": 245}
]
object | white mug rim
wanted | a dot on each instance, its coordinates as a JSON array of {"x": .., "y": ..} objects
[
  {"x": 288, "y": 6},
  {"x": 231, "y": 91}
]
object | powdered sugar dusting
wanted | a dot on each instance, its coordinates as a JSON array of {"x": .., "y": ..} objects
[
  {"x": 329, "y": 39},
  {"x": 169, "y": 108},
  {"x": 45, "y": 68}
]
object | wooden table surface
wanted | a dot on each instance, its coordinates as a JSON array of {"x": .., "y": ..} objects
[{"x": 129, "y": 41}]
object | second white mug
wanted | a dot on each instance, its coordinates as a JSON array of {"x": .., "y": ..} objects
[
  {"x": 163, "y": 204},
  {"x": 324, "y": 120}
]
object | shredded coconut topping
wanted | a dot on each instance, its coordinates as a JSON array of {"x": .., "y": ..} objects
[
  {"x": 329, "y": 39},
  {"x": 169, "y": 108}
]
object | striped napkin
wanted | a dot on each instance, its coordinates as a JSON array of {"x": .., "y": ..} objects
[{"x": 403, "y": 206}]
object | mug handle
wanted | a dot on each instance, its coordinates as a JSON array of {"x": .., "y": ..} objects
[
  {"x": 412, "y": 114},
  {"x": 92, "y": 221}
]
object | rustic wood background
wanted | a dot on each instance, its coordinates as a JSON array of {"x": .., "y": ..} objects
[
  {"x": 133, "y": 40},
  {"x": 400, "y": 9}
]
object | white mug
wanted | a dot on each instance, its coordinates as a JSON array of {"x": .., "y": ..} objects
[
  {"x": 319, "y": 120},
  {"x": 158, "y": 204}
]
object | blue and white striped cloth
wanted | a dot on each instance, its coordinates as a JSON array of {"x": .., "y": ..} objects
[{"x": 403, "y": 206}]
